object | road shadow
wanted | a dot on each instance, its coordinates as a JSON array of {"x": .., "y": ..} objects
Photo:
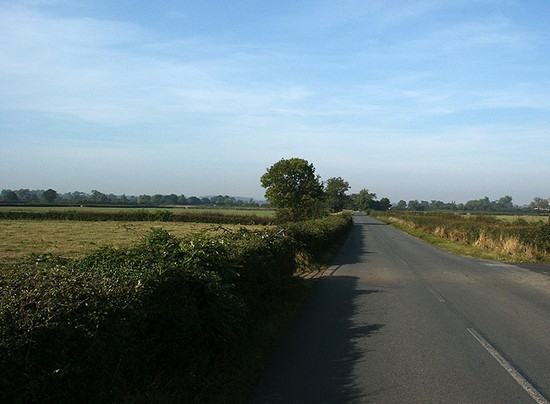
[
  {"x": 354, "y": 248},
  {"x": 316, "y": 360}
]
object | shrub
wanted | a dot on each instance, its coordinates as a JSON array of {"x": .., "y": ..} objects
[
  {"x": 166, "y": 317},
  {"x": 317, "y": 236}
]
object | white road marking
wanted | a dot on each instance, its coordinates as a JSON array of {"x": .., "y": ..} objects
[
  {"x": 498, "y": 264},
  {"x": 528, "y": 387},
  {"x": 437, "y": 295}
]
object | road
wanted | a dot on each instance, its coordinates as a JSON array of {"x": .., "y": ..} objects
[{"x": 400, "y": 321}]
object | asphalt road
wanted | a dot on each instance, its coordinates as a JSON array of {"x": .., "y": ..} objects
[{"x": 399, "y": 321}]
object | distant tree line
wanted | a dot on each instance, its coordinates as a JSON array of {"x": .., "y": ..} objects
[
  {"x": 332, "y": 196},
  {"x": 50, "y": 196},
  {"x": 503, "y": 204}
]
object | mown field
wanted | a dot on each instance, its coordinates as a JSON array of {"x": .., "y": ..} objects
[
  {"x": 19, "y": 239},
  {"x": 70, "y": 232},
  {"x": 506, "y": 238}
]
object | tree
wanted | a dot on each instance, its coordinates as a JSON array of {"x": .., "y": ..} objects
[
  {"x": 540, "y": 203},
  {"x": 384, "y": 204},
  {"x": 144, "y": 199},
  {"x": 193, "y": 200},
  {"x": 171, "y": 199},
  {"x": 504, "y": 203},
  {"x": 8, "y": 195},
  {"x": 99, "y": 197},
  {"x": 50, "y": 195},
  {"x": 335, "y": 193},
  {"x": 294, "y": 189},
  {"x": 363, "y": 200},
  {"x": 401, "y": 205},
  {"x": 156, "y": 199},
  {"x": 26, "y": 195},
  {"x": 415, "y": 205}
]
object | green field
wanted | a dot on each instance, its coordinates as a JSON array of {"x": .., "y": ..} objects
[{"x": 73, "y": 238}]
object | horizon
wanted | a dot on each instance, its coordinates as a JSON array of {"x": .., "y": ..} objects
[
  {"x": 413, "y": 100},
  {"x": 259, "y": 200}
]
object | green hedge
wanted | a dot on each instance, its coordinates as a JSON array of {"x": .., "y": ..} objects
[
  {"x": 165, "y": 318},
  {"x": 316, "y": 237},
  {"x": 136, "y": 215}
]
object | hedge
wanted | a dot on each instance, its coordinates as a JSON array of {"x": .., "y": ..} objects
[
  {"x": 136, "y": 215},
  {"x": 165, "y": 318}
]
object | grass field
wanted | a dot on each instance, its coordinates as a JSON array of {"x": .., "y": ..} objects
[{"x": 71, "y": 239}]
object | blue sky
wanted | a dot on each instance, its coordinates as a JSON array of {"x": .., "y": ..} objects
[{"x": 446, "y": 100}]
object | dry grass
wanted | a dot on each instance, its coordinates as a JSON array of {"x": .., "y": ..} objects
[
  {"x": 526, "y": 218},
  {"x": 509, "y": 246},
  {"x": 20, "y": 238},
  {"x": 485, "y": 246}
]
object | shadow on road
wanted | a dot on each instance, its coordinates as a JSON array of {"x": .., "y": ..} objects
[
  {"x": 355, "y": 247},
  {"x": 315, "y": 362}
]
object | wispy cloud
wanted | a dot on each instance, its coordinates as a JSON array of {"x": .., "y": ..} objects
[{"x": 404, "y": 85}]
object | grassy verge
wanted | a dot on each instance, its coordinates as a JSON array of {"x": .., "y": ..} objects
[
  {"x": 479, "y": 236},
  {"x": 450, "y": 246}
]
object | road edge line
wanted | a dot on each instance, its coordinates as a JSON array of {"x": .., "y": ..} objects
[{"x": 522, "y": 381}]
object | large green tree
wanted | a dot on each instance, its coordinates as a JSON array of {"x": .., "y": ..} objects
[
  {"x": 363, "y": 200},
  {"x": 294, "y": 189},
  {"x": 335, "y": 192},
  {"x": 50, "y": 195}
]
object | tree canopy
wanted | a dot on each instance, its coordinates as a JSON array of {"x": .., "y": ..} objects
[
  {"x": 335, "y": 191},
  {"x": 294, "y": 189}
]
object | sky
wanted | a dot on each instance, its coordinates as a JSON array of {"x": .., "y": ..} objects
[{"x": 425, "y": 99}]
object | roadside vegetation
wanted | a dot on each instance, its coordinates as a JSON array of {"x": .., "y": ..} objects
[
  {"x": 165, "y": 305},
  {"x": 481, "y": 235},
  {"x": 173, "y": 319}
]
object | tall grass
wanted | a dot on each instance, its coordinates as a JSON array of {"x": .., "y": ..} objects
[{"x": 514, "y": 240}]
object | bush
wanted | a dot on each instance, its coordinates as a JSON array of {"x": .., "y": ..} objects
[
  {"x": 111, "y": 322},
  {"x": 166, "y": 317},
  {"x": 316, "y": 237}
]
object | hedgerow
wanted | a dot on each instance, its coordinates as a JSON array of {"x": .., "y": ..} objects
[
  {"x": 166, "y": 318},
  {"x": 137, "y": 215},
  {"x": 316, "y": 237}
]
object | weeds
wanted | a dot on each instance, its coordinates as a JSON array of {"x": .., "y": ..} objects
[{"x": 516, "y": 240}]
